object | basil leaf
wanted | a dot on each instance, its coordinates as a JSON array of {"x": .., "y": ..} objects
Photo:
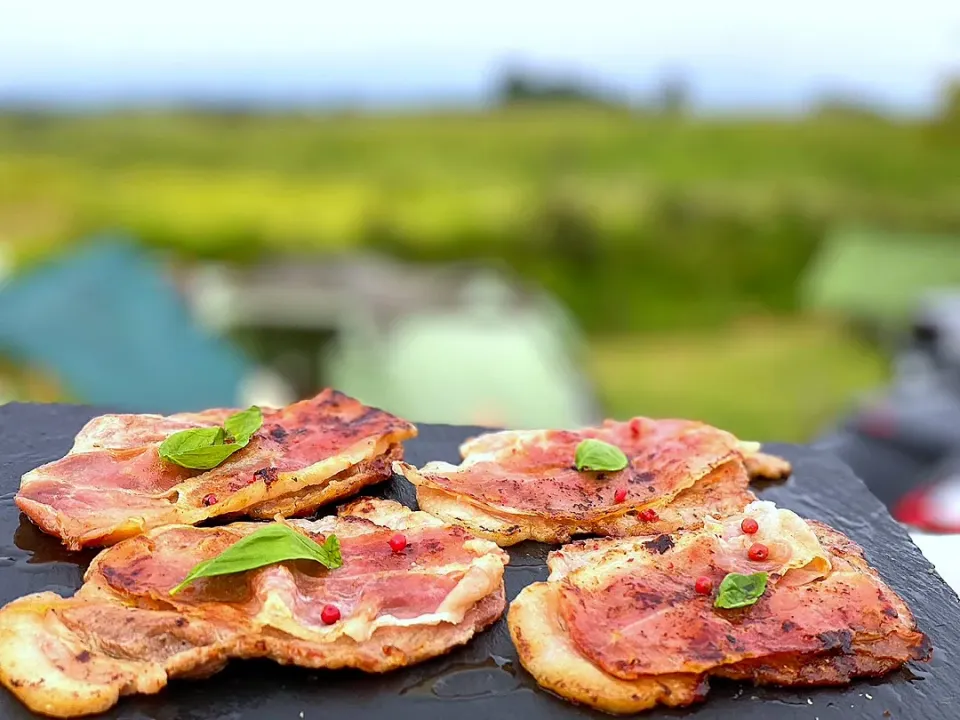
[
  {"x": 597, "y": 455},
  {"x": 205, "y": 448},
  {"x": 186, "y": 443},
  {"x": 204, "y": 458},
  {"x": 244, "y": 423},
  {"x": 273, "y": 543},
  {"x": 738, "y": 591}
]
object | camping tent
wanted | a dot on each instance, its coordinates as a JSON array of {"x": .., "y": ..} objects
[
  {"x": 109, "y": 325},
  {"x": 878, "y": 277}
]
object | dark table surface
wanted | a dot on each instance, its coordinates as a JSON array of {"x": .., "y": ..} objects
[{"x": 483, "y": 679}]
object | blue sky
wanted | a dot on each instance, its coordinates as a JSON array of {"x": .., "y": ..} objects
[{"x": 735, "y": 53}]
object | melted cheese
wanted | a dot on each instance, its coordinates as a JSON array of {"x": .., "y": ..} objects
[
  {"x": 796, "y": 556},
  {"x": 481, "y": 578},
  {"x": 795, "y": 552}
]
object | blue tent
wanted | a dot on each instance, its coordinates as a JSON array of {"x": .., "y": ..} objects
[{"x": 115, "y": 332}]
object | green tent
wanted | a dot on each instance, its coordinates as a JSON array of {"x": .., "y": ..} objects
[{"x": 879, "y": 277}]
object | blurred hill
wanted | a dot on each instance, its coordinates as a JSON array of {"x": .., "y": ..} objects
[
  {"x": 631, "y": 219},
  {"x": 639, "y": 220}
]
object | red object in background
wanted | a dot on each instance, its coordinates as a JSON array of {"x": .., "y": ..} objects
[
  {"x": 878, "y": 421},
  {"x": 932, "y": 508}
]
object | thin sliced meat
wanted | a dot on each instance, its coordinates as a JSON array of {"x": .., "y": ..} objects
[
  {"x": 534, "y": 473},
  {"x": 628, "y": 609},
  {"x": 650, "y": 620},
  {"x": 547, "y": 653},
  {"x": 124, "y": 633},
  {"x": 114, "y": 484},
  {"x": 306, "y": 501},
  {"x": 126, "y": 431},
  {"x": 519, "y": 485},
  {"x": 723, "y": 492}
]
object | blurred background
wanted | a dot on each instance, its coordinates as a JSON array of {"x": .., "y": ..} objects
[{"x": 510, "y": 214}]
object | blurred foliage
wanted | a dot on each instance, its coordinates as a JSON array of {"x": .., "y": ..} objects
[
  {"x": 19, "y": 381},
  {"x": 518, "y": 86},
  {"x": 765, "y": 381},
  {"x": 899, "y": 269},
  {"x": 636, "y": 221}
]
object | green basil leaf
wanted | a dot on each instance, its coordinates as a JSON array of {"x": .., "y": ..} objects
[
  {"x": 597, "y": 455},
  {"x": 244, "y": 424},
  {"x": 273, "y": 543},
  {"x": 191, "y": 439},
  {"x": 204, "y": 458},
  {"x": 186, "y": 443},
  {"x": 205, "y": 448},
  {"x": 738, "y": 591}
]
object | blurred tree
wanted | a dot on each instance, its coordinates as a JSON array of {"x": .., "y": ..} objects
[
  {"x": 950, "y": 103},
  {"x": 569, "y": 232},
  {"x": 844, "y": 105},
  {"x": 515, "y": 86},
  {"x": 672, "y": 96},
  {"x": 524, "y": 86},
  {"x": 944, "y": 128}
]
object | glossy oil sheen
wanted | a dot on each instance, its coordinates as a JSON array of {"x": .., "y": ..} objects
[{"x": 484, "y": 679}]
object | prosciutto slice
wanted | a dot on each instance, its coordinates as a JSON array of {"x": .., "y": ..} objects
[
  {"x": 124, "y": 633},
  {"x": 620, "y": 620},
  {"x": 113, "y": 483},
  {"x": 519, "y": 485}
]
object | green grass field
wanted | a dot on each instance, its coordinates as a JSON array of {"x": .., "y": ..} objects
[
  {"x": 764, "y": 381},
  {"x": 780, "y": 380},
  {"x": 209, "y": 183}
]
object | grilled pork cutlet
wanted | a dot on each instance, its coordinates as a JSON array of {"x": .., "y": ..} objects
[
  {"x": 624, "y": 625},
  {"x": 113, "y": 484},
  {"x": 124, "y": 633},
  {"x": 524, "y": 485}
]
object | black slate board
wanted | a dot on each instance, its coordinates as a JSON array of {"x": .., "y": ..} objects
[{"x": 483, "y": 679}]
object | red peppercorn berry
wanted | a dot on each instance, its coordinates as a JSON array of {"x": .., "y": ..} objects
[
  {"x": 758, "y": 551},
  {"x": 749, "y": 526},
  {"x": 398, "y": 542},
  {"x": 704, "y": 585},
  {"x": 330, "y": 614},
  {"x": 620, "y": 495},
  {"x": 209, "y": 500},
  {"x": 648, "y": 515}
]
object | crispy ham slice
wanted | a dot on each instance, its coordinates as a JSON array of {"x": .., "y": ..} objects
[
  {"x": 123, "y": 633},
  {"x": 113, "y": 483},
  {"x": 519, "y": 485},
  {"x": 619, "y": 625}
]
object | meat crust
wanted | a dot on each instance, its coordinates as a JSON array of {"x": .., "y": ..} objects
[
  {"x": 342, "y": 485},
  {"x": 113, "y": 484},
  {"x": 521, "y": 485},
  {"x": 123, "y": 633},
  {"x": 546, "y": 652},
  {"x": 723, "y": 492},
  {"x": 619, "y": 626}
]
